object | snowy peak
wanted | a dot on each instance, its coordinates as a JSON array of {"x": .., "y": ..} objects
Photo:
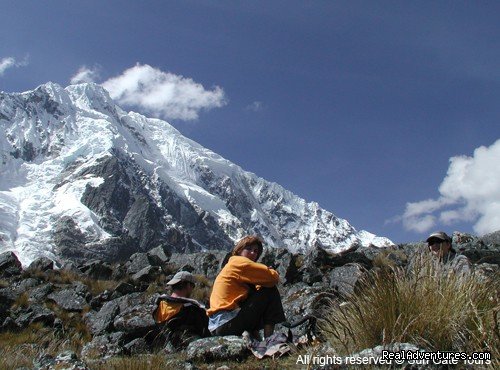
[{"x": 82, "y": 178}]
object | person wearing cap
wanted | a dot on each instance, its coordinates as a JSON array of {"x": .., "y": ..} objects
[
  {"x": 440, "y": 246},
  {"x": 184, "y": 318},
  {"x": 244, "y": 295}
]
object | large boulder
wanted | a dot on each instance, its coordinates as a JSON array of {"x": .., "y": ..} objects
[
  {"x": 7, "y": 298},
  {"x": 25, "y": 285},
  {"x": 140, "y": 261},
  {"x": 202, "y": 263},
  {"x": 230, "y": 347},
  {"x": 162, "y": 252},
  {"x": 345, "y": 278},
  {"x": 97, "y": 270},
  {"x": 476, "y": 249},
  {"x": 137, "y": 320},
  {"x": 136, "y": 347},
  {"x": 105, "y": 346},
  {"x": 302, "y": 301},
  {"x": 41, "y": 264},
  {"x": 64, "y": 360},
  {"x": 9, "y": 264},
  {"x": 73, "y": 298},
  {"x": 492, "y": 239},
  {"x": 35, "y": 313},
  {"x": 146, "y": 275},
  {"x": 102, "y": 321},
  {"x": 39, "y": 293},
  {"x": 284, "y": 262}
]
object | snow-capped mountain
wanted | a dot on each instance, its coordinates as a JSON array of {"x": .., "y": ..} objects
[{"x": 81, "y": 178}]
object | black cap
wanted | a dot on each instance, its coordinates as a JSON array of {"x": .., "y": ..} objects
[{"x": 441, "y": 235}]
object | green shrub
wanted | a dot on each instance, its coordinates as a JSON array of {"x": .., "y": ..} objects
[{"x": 425, "y": 305}]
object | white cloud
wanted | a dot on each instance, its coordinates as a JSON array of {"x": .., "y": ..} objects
[
  {"x": 10, "y": 62},
  {"x": 256, "y": 106},
  {"x": 6, "y": 63},
  {"x": 163, "y": 94},
  {"x": 470, "y": 191},
  {"x": 85, "y": 74}
]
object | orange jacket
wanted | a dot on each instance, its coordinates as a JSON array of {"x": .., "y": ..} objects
[
  {"x": 231, "y": 285},
  {"x": 166, "y": 310}
]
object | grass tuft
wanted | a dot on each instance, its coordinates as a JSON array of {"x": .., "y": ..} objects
[
  {"x": 21, "y": 302},
  {"x": 18, "y": 349},
  {"x": 427, "y": 306}
]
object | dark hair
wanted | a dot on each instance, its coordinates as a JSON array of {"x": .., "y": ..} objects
[
  {"x": 181, "y": 285},
  {"x": 246, "y": 242}
]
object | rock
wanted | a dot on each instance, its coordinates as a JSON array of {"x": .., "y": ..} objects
[
  {"x": 9, "y": 264},
  {"x": 323, "y": 351},
  {"x": 163, "y": 252},
  {"x": 104, "y": 346},
  {"x": 202, "y": 263},
  {"x": 313, "y": 264},
  {"x": 97, "y": 270},
  {"x": 25, "y": 285},
  {"x": 72, "y": 267},
  {"x": 125, "y": 288},
  {"x": 41, "y": 264},
  {"x": 492, "y": 239},
  {"x": 136, "y": 347},
  {"x": 136, "y": 320},
  {"x": 136, "y": 263},
  {"x": 302, "y": 300},
  {"x": 147, "y": 274},
  {"x": 9, "y": 324},
  {"x": 102, "y": 321},
  {"x": 69, "y": 238},
  {"x": 377, "y": 352},
  {"x": 67, "y": 360},
  {"x": 360, "y": 255},
  {"x": 285, "y": 264},
  {"x": 476, "y": 249},
  {"x": 119, "y": 273},
  {"x": 7, "y": 298},
  {"x": 130, "y": 300},
  {"x": 311, "y": 275},
  {"x": 218, "y": 349},
  {"x": 71, "y": 299},
  {"x": 326, "y": 351},
  {"x": 35, "y": 313},
  {"x": 345, "y": 278},
  {"x": 39, "y": 294},
  {"x": 97, "y": 302}
]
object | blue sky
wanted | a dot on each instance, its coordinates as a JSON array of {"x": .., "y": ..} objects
[{"x": 385, "y": 113}]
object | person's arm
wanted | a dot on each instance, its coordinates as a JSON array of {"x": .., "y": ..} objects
[{"x": 255, "y": 273}]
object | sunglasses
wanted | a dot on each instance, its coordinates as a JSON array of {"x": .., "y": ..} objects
[{"x": 435, "y": 241}]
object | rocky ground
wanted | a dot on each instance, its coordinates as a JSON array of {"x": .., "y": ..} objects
[{"x": 84, "y": 315}]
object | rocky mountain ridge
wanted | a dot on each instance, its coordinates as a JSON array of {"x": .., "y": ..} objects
[
  {"x": 108, "y": 307},
  {"x": 83, "y": 179}
]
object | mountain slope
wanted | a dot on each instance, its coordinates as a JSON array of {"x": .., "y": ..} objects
[{"x": 81, "y": 178}]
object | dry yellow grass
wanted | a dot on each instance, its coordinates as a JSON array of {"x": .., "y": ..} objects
[
  {"x": 19, "y": 349},
  {"x": 427, "y": 306}
]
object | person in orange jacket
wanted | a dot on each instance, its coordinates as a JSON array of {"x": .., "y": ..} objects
[
  {"x": 244, "y": 295},
  {"x": 184, "y": 319}
]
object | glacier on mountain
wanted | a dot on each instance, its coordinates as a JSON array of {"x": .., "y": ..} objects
[{"x": 80, "y": 178}]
